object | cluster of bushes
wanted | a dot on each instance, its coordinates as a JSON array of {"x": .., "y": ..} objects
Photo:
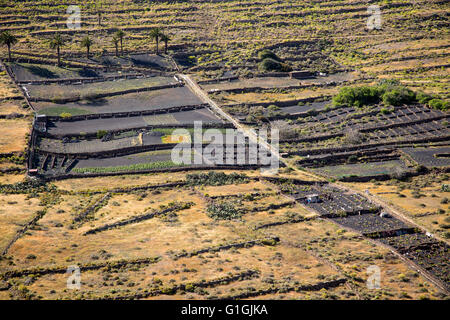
[
  {"x": 16, "y": 159},
  {"x": 215, "y": 178},
  {"x": 388, "y": 92},
  {"x": 223, "y": 211},
  {"x": 271, "y": 62},
  {"x": 32, "y": 186}
]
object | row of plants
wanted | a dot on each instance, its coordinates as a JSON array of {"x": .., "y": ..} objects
[
  {"x": 184, "y": 287},
  {"x": 223, "y": 211},
  {"x": 270, "y": 241},
  {"x": 29, "y": 186},
  {"x": 58, "y": 42},
  {"x": 129, "y": 168},
  {"x": 88, "y": 213},
  {"x": 213, "y": 178},
  {"x": 107, "y": 265}
]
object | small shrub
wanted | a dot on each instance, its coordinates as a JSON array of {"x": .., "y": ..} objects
[
  {"x": 101, "y": 133},
  {"x": 423, "y": 98},
  {"x": 65, "y": 115},
  {"x": 385, "y": 111},
  {"x": 223, "y": 211},
  {"x": 267, "y": 54}
]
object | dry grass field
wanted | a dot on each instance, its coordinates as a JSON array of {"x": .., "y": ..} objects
[
  {"x": 13, "y": 137},
  {"x": 306, "y": 253}
]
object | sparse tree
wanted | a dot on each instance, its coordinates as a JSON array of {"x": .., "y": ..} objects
[
  {"x": 87, "y": 42},
  {"x": 165, "y": 38},
  {"x": 120, "y": 34},
  {"x": 286, "y": 130},
  {"x": 353, "y": 136},
  {"x": 56, "y": 43},
  {"x": 8, "y": 39},
  {"x": 115, "y": 41},
  {"x": 155, "y": 34}
]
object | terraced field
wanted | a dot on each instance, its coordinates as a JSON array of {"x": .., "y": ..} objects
[
  {"x": 142, "y": 101},
  {"x": 87, "y": 176}
]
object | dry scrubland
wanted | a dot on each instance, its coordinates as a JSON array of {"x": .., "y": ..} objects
[
  {"x": 134, "y": 239},
  {"x": 309, "y": 252},
  {"x": 15, "y": 125}
]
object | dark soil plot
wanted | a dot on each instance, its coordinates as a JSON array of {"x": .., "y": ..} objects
[
  {"x": 140, "y": 101},
  {"x": 338, "y": 204},
  {"x": 265, "y": 82},
  {"x": 87, "y": 146},
  {"x": 91, "y": 90},
  {"x": 183, "y": 118},
  {"x": 368, "y": 223},
  {"x": 185, "y": 60},
  {"x": 31, "y": 72},
  {"x": 406, "y": 240},
  {"x": 430, "y": 157},
  {"x": 305, "y": 56},
  {"x": 363, "y": 169},
  {"x": 95, "y": 125},
  {"x": 150, "y": 61},
  {"x": 434, "y": 258},
  {"x": 28, "y": 72}
]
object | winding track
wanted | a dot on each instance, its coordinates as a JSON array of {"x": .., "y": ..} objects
[{"x": 215, "y": 108}]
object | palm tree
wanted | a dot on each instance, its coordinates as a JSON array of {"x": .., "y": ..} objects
[
  {"x": 56, "y": 43},
  {"x": 8, "y": 39},
  {"x": 120, "y": 34},
  {"x": 115, "y": 41},
  {"x": 155, "y": 33},
  {"x": 86, "y": 42},
  {"x": 165, "y": 38}
]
